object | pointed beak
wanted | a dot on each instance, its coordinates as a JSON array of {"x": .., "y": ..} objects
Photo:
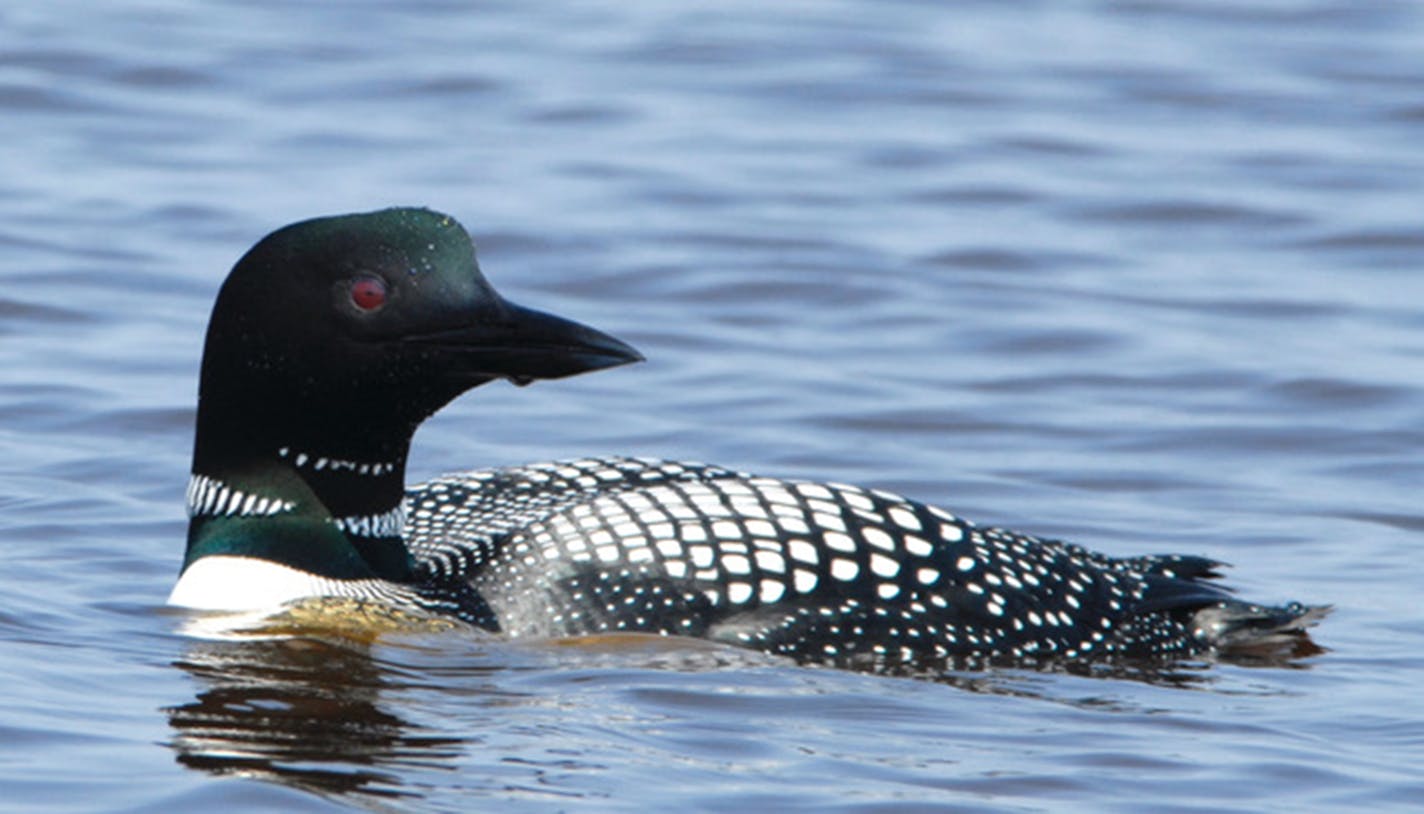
[{"x": 522, "y": 345}]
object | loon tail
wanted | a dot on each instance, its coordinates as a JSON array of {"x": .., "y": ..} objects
[
  {"x": 1241, "y": 629},
  {"x": 1184, "y": 587}
]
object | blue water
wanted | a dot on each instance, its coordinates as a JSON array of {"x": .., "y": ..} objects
[{"x": 1148, "y": 275}]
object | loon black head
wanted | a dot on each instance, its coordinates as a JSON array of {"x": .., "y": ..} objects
[{"x": 330, "y": 341}]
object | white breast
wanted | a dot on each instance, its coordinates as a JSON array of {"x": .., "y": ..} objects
[{"x": 222, "y": 582}]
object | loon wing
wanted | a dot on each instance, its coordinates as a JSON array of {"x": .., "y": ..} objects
[{"x": 804, "y": 569}]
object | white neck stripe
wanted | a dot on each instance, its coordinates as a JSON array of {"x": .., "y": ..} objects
[
  {"x": 211, "y": 497},
  {"x": 385, "y": 524}
]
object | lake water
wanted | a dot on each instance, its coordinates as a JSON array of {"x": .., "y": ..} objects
[{"x": 1145, "y": 274}]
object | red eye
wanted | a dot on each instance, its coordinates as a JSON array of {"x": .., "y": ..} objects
[{"x": 369, "y": 293}]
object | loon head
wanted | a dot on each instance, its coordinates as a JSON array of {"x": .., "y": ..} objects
[
  {"x": 330, "y": 341},
  {"x": 344, "y": 333}
]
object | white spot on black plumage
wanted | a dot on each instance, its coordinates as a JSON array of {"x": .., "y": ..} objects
[
  {"x": 805, "y": 581},
  {"x": 771, "y": 562},
  {"x": 904, "y": 518},
  {"x": 844, "y": 570},
  {"x": 736, "y": 564},
  {"x": 884, "y": 566},
  {"x": 839, "y": 541}
]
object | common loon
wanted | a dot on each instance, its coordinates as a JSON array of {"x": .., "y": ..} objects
[{"x": 333, "y": 339}]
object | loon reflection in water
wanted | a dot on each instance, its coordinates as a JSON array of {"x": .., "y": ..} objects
[{"x": 300, "y": 712}]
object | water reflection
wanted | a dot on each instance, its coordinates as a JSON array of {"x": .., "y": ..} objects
[
  {"x": 301, "y": 712},
  {"x": 1022, "y": 677}
]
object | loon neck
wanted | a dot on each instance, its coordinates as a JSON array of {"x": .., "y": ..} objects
[{"x": 337, "y": 514}]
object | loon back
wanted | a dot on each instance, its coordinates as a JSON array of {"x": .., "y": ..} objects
[{"x": 332, "y": 339}]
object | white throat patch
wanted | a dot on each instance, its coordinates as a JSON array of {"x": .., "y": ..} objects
[{"x": 318, "y": 463}]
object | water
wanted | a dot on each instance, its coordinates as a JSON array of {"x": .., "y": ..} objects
[{"x": 1142, "y": 274}]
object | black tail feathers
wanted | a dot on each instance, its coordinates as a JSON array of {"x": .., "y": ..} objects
[
  {"x": 1235, "y": 628},
  {"x": 1185, "y": 588}
]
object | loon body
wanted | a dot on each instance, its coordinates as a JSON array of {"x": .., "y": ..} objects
[{"x": 332, "y": 339}]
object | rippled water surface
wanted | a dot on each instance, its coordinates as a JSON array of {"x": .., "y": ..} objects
[{"x": 1148, "y": 275}]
